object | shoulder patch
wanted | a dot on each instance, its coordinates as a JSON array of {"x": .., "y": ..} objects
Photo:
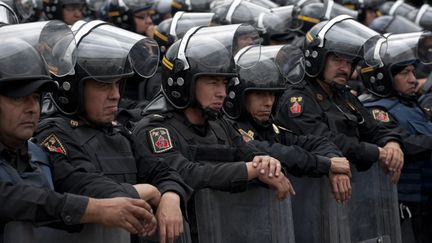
[
  {"x": 160, "y": 140},
  {"x": 296, "y": 106},
  {"x": 380, "y": 115},
  {"x": 247, "y": 136},
  {"x": 53, "y": 144}
]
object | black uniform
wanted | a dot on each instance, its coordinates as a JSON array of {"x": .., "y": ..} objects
[
  {"x": 112, "y": 150},
  {"x": 299, "y": 155},
  {"x": 199, "y": 153},
  {"x": 342, "y": 118},
  {"x": 42, "y": 206}
]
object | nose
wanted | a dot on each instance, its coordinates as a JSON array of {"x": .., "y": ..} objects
[
  {"x": 32, "y": 103},
  {"x": 114, "y": 93},
  {"x": 412, "y": 78},
  {"x": 346, "y": 65},
  {"x": 221, "y": 90}
]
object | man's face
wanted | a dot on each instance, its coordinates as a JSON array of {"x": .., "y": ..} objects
[
  {"x": 18, "y": 118},
  {"x": 72, "y": 13},
  {"x": 101, "y": 100},
  {"x": 210, "y": 91},
  {"x": 405, "y": 81},
  {"x": 143, "y": 23},
  {"x": 259, "y": 104},
  {"x": 337, "y": 69}
]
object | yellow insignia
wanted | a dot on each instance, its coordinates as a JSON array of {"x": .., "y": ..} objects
[
  {"x": 247, "y": 136},
  {"x": 380, "y": 115},
  {"x": 53, "y": 144}
]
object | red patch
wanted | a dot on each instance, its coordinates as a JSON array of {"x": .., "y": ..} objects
[{"x": 296, "y": 105}]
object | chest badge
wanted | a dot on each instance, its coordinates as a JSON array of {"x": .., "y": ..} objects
[
  {"x": 160, "y": 140},
  {"x": 247, "y": 136},
  {"x": 380, "y": 115}
]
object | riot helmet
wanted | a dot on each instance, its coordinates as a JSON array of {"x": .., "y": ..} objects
[
  {"x": 104, "y": 53},
  {"x": 396, "y": 8},
  {"x": 389, "y": 53},
  {"x": 342, "y": 36},
  {"x": 53, "y": 9},
  {"x": 422, "y": 17},
  {"x": 203, "y": 51},
  {"x": 268, "y": 68},
  {"x": 300, "y": 3},
  {"x": 174, "y": 28},
  {"x": 394, "y": 24},
  {"x": 121, "y": 13},
  {"x": 362, "y": 4}
]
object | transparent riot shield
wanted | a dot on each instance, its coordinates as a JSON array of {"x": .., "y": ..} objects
[
  {"x": 253, "y": 216},
  {"x": 316, "y": 214},
  {"x": 371, "y": 215},
  {"x": 373, "y": 208}
]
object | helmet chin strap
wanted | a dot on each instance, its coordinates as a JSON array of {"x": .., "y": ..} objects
[{"x": 207, "y": 112}]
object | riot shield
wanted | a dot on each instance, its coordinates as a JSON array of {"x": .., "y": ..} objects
[
  {"x": 183, "y": 238},
  {"x": 316, "y": 214},
  {"x": 253, "y": 216},
  {"x": 371, "y": 215},
  {"x": 373, "y": 208}
]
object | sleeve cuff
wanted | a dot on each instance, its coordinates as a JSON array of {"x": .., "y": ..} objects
[{"x": 73, "y": 209}]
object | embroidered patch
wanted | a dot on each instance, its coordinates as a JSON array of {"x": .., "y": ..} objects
[
  {"x": 247, "y": 136},
  {"x": 160, "y": 139},
  {"x": 53, "y": 144},
  {"x": 380, "y": 115},
  {"x": 296, "y": 105}
]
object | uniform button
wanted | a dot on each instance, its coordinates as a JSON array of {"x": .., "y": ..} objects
[{"x": 68, "y": 218}]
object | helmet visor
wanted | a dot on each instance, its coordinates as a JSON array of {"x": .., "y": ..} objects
[
  {"x": 53, "y": 39},
  {"x": 111, "y": 51},
  {"x": 189, "y": 20},
  {"x": 20, "y": 60},
  {"x": 346, "y": 38}
]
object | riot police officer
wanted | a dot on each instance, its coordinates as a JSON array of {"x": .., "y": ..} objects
[
  {"x": 82, "y": 131},
  {"x": 28, "y": 177},
  {"x": 393, "y": 101},
  {"x": 323, "y": 105},
  {"x": 183, "y": 124},
  {"x": 250, "y": 113},
  {"x": 69, "y": 11}
]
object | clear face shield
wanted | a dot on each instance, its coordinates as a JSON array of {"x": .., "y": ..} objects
[
  {"x": 332, "y": 9},
  {"x": 20, "y": 60},
  {"x": 53, "y": 39},
  {"x": 106, "y": 51},
  {"x": 28, "y": 8},
  {"x": 7, "y": 15},
  {"x": 232, "y": 37},
  {"x": 400, "y": 25},
  {"x": 287, "y": 65},
  {"x": 183, "y": 21},
  {"x": 239, "y": 11},
  {"x": 399, "y": 48},
  {"x": 280, "y": 20},
  {"x": 345, "y": 38}
]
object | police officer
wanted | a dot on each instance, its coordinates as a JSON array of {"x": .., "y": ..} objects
[
  {"x": 184, "y": 125},
  {"x": 392, "y": 100},
  {"x": 250, "y": 113},
  {"x": 323, "y": 106},
  {"x": 28, "y": 177},
  {"x": 83, "y": 131},
  {"x": 69, "y": 11}
]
